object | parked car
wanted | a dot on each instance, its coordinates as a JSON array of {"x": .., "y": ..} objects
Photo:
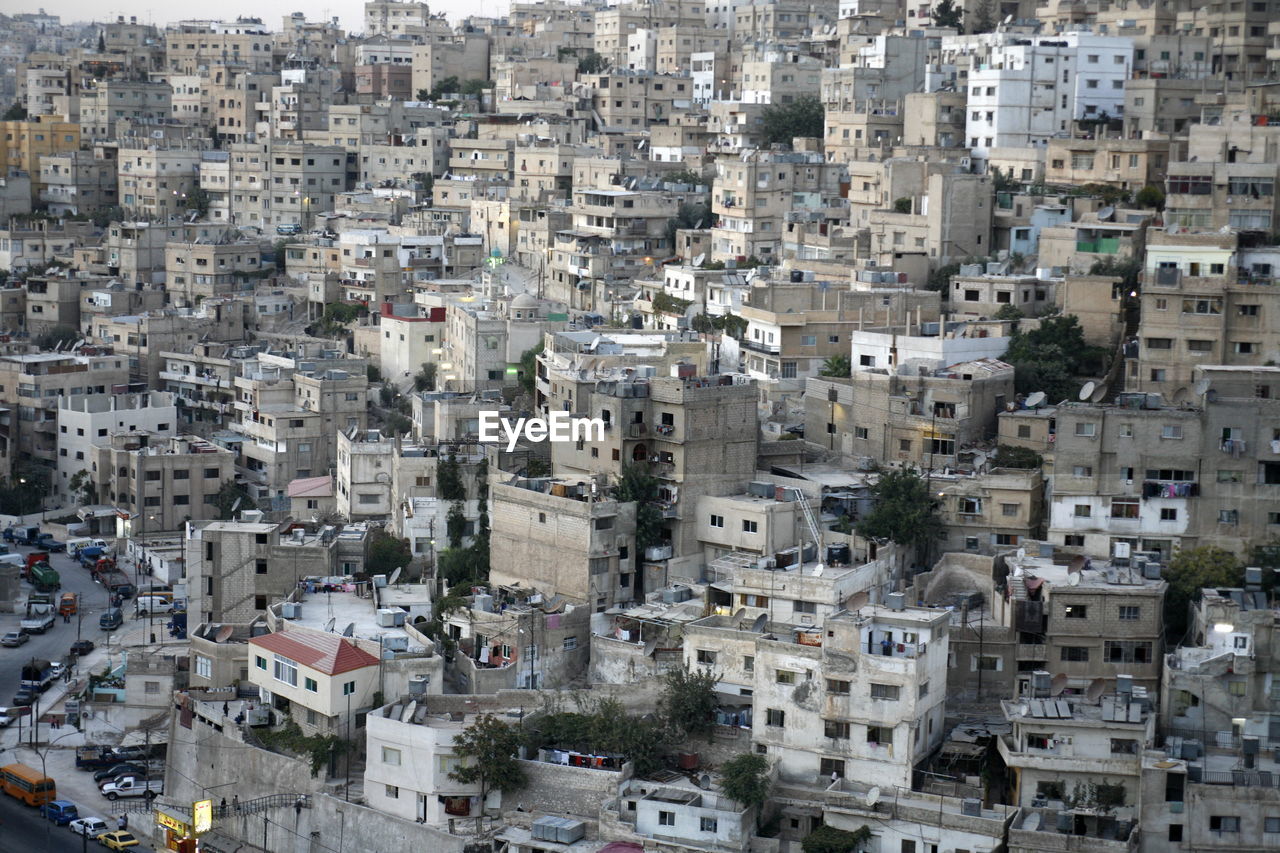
[
  {"x": 5, "y": 719},
  {"x": 117, "y": 840},
  {"x": 24, "y": 697},
  {"x": 132, "y": 768},
  {"x": 82, "y": 647},
  {"x": 90, "y": 826},
  {"x": 13, "y": 639},
  {"x": 130, "y": 753},
  {"x": 61, "y": 812},
  {"x": 59, "y": 669}
]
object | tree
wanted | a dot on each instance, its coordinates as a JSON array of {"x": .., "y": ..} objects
[
  {"x": 745, "y": 779},
  {"x": 593, "y": 63},
  {"x": 198, "y": 200},
  {"x": 940, "y": 279},
  {"x": 82, "y": 487},
  {"x": 902, "y": 205},
  {"x": 529, "y": 368},
  {"x": 983, "y": 20},
  {"x": 226, "y": 498},
  {"x": 1017, "y": 457},
  {"x": 475, "y": 88},
  {"x": 635, "y": 484},
  {"x": 1048, "y": 357},
  {"x": 945, "y": 13},
  {"x": 829, "y": 839},
  {"x": 444, "y": 87},
  {"x": 59, "y": 335},
  {"x": 904, "y": 512},
  {"x": 373, "y": 374},
  {"x": 456, "y": 524},
  {"x": 488, "y": 749},
  {"x": 688, "y": 701},
  {"x": 426, "y": 378},
  {"x": 1151, "y": 197},
  {"x": 837, "y": 366},
  {"x": 684, "y": 176},
  {"x": 1009, "y": 311},
  {"x": 449, "y": 479},
  {"x": 1191, "y": 570},
  {"x": 16, "y": 112},
  {"x": 688, "y": 215},
  {"x": 387, "y": 553},
  {"x": 805, "y": 116}
]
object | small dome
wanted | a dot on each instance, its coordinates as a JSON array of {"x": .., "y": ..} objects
[{"x": 524, "y": 300}]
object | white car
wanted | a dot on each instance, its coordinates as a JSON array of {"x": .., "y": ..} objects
[
  {"x": 5, "y": 721},
  {"x": 58, "y": 669},
  {"x": 90, "y": 826}
]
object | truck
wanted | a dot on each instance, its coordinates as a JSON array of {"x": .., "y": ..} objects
[
  {"x": 133, "y": 786},
  {"x": 46, "y": 541},
  {"x": 90, "y": 554},
  {"x": 117, "y": 582},
  {"x": 79, "y": 543},
  {"x": 68, "y": 604},
  {"x": 30, "y": 560},
  {"x": 39, "y": 616},
  {"x": 45, "y": 578},
  {"x": 94, "y": 757},
  {"x": 37, "y": 676},
  {"x": 23, "y": 535},
  {"x": 178, "y": 624}
]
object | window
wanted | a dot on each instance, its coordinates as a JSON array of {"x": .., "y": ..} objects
[
  {"x": 828, "y": 767},
  {"x": 1224, "y": 823},
  {"x": 1123, "y": 746},
  {"x": 1171, "y": 431},
  {"x": 1083, "y": 511},
  {"x": 1175, "y": 832},
  {"x": 880, "y": 735},
  {"x": 708, "y": 824},
  {"x": 286, "y": 670},
  {"x": 775, "y": 717},
  {"x": 749, "y": 527},
  {"x": 571, "y": 643},
  {"x": 1082, "y": 470},
  {"x": 1228, "y": 516},
  {"x": 1168, "y": 514},
  {"x": 1086, "y": 429},
  {"x": 839, "y": 688},
  {"x": 750, "y": 600},
  {"x": 1271, "y": 824},
  {"x": 1159, "y": 343},
  {"x": 1225, "y": 476},
  {"x": 348, "y": 688},
  {"x": 1009, "y": 510},
  {"x": 749, "y": 663},
  {"x": 1126, "y": 651},
  {"x": 204, "y": 666},
  {"x": 1073, "y": 540},
  {"x": 1199, "y": 346},
  {"x": 706, "y": 656},
  {"x": 666, "y": 818},
  {"x": 835, "y": 729},
  {"x": 1073, "y": 654},
  {"x": 804, "y": 607},
  {"x": 1124, "y": 508},
  {"x": 717, "y": 521},
  {"x": 259, "y": 661},
  {"x": 860, "y": 433},
  {"x": 784, "y": 676},
  {"x": 1076, "y": 611},
  {"x": 310, "y": 684},
  {"x": 889, "y": 692},
  {"x": 1130, "y": 613},
  {"x": 393, "y": 793}
]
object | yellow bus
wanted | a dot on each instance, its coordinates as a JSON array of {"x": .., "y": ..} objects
[{"x": 26, "y": 784}]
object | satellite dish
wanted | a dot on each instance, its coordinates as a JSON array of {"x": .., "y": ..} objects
[
  {"x": 350, "y": 630},
  {"x": 1032, "y": 822},
  {"x": 328, "y": 626},
  {"x": 1022, "y": 553},
  {"x": 1058, "y": 684},
  {"x": 704, "y": 781},
  {"x": 650, "y": 645},
  {"x": 1095, "y": 690},
  {"x": 860, "y": 600},
  {"x": 758, "y": 626},
  {"x": 1202, "y": 387},
  {"x": 1105, "y": 213},
  {"x": 224, "y": 633},
  {"x": 697, "y": 261},
  {"x": 395, "y": 576},
  {"x": 1099, "y": 393},
  {"x": 873, "y": 796},
  {"x": 1087, "y": 391},
  {"x": 1073, "y": 580},
  {"x": 1035, "y": 399},
  {"x": 740, "y": 615},
  {"x": 235, "y": 506},
  {"x": 1077, "y": 564}
]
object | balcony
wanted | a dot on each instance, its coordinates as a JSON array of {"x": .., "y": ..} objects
[
  {"x": 1033, "y": 651},
  {"x": 758, "y": 346}
]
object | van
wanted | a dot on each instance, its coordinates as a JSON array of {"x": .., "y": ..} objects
[
  {"x": 111, "y": 619},
  {"x": 75, "y": 546},
  {"x": 61, "y": 812},
  {"x": 154, "y": 604}
]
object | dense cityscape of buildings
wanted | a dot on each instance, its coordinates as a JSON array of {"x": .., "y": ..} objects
[{"x": 933, "y": 351}]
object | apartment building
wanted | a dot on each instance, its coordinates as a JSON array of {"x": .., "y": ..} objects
[
  {"x": 483, "y": 342},
  {"x": 78, "y": 182},
  {"x": 141, "y": 338},
  {"x": 202, "y": 270},
  {"x": 464, "y": 56},
  {"x": 567, "y": 538},
  {"x": 991, "y": 509},
  {"x": 977, "y": 294},
  {"x": 319, "y": 679},
  {"x": 89, "y": 420},
  {"x": 192, "y": 47},
  {"x": 949, "y": 219},
  {"x": 268, "y": 185},
  {"x": 696, "y": 434},
  {"x": 162, "y": 481},
  {"x": 109, "y": 104},
  {"x": 155, "y": 183},
  {"x": 1127, "y": 164},
  {"x": 27, "y": 141},
  {"x": 1237, "y": 34}
]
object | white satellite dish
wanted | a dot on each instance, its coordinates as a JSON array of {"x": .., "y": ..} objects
[
  {"x": 1022, "y": 553},
  {"x": 1073, "y": 579},
  {"x": 1008, "y": 19},
  {"x": 1087, "y": 391},
  {"x": 350, "y": 630},
  {"x": 395, "y": 576},
  {"x": 1099, "y": 394},
  {"x": 328, "y": 626},
  {"x": 697, "y": 262},
  {"x": 1035, "y": 399},
  {"x": 873, "y": 797}
]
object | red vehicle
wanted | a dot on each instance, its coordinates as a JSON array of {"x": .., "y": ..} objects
[
  {"x": 33, "y": 558},
  {"x": 104, "y": 566}
]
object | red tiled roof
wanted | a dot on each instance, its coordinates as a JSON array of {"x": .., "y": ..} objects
[
  {"x": 311, "y": 487},
  {"x": 328, "y": 653}
]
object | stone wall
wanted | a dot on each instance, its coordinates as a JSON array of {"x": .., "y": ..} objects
[{"x": 560, "y": 790}]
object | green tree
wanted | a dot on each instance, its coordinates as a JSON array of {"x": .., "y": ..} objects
[
  {"x": 1189, "y": 571},
  {"x": 665, "y": 303},
  {"x": 940, "y": 279},
  {"x": 462, "y": 566},
  {"x": 488, "y": 749},
  {"x": 636, "y": 484},
  {"x": 836, "y": 366},
  {"x": 688, "y": 215},
  {"x": 475, "y": 88},
  {"x": 688, "y": 701},
  {"x": 805, "y": 117},
  {"x": 16, "y": 112},
  {"x": 373, "y": 374},
  {"x": 593, "y": 63},
  {"x": 902, "y": 205},
  {"x": 447, "y": 86},
  {"x": 230, "y": 499},
  {"x": 904, "y": 512},
  {"x": 1048, "y": 357},
  {"x": 1009, "y": 311},
  {"x": 449, "y": 485},
  {"x": 745, "y": 779},
  {"x": 528, "y": 370},
  {"x": 387, "y": 553},
  {"x": 1151, "y": 197},
  {"x": 829, "y": 839},
  {"x": 59, "y": 335},
  {"x": 82, "y": 487},
  {"x": 426, "y": 378},
  {"x": 983, "y": 17},
  {"x": 945, "y": 13},
  {"x": 684, "y": 176},
  {"x": 456, "y": 524},
  {"x": 198, "y": 200},
  {"x": 1017, "y": 457}
]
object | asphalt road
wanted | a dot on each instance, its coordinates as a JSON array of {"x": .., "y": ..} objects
[
  {"x": 54, "y": 644},
  {"x": 22, "y": 831}
]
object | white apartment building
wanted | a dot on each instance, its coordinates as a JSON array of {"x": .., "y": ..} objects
[
  {"x": 1023, "y": 91},
  {"x": 90, "y": 419}
]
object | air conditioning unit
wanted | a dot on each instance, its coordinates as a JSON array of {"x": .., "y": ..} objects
[{"x": 291, "y": 610}]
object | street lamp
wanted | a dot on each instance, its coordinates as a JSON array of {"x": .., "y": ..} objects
[{"x": 44, "y": 755}]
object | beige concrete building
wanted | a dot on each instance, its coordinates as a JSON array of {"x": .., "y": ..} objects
[
  {"x": 163, "y": 481},
  {"x": 192, "y": 47}
]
